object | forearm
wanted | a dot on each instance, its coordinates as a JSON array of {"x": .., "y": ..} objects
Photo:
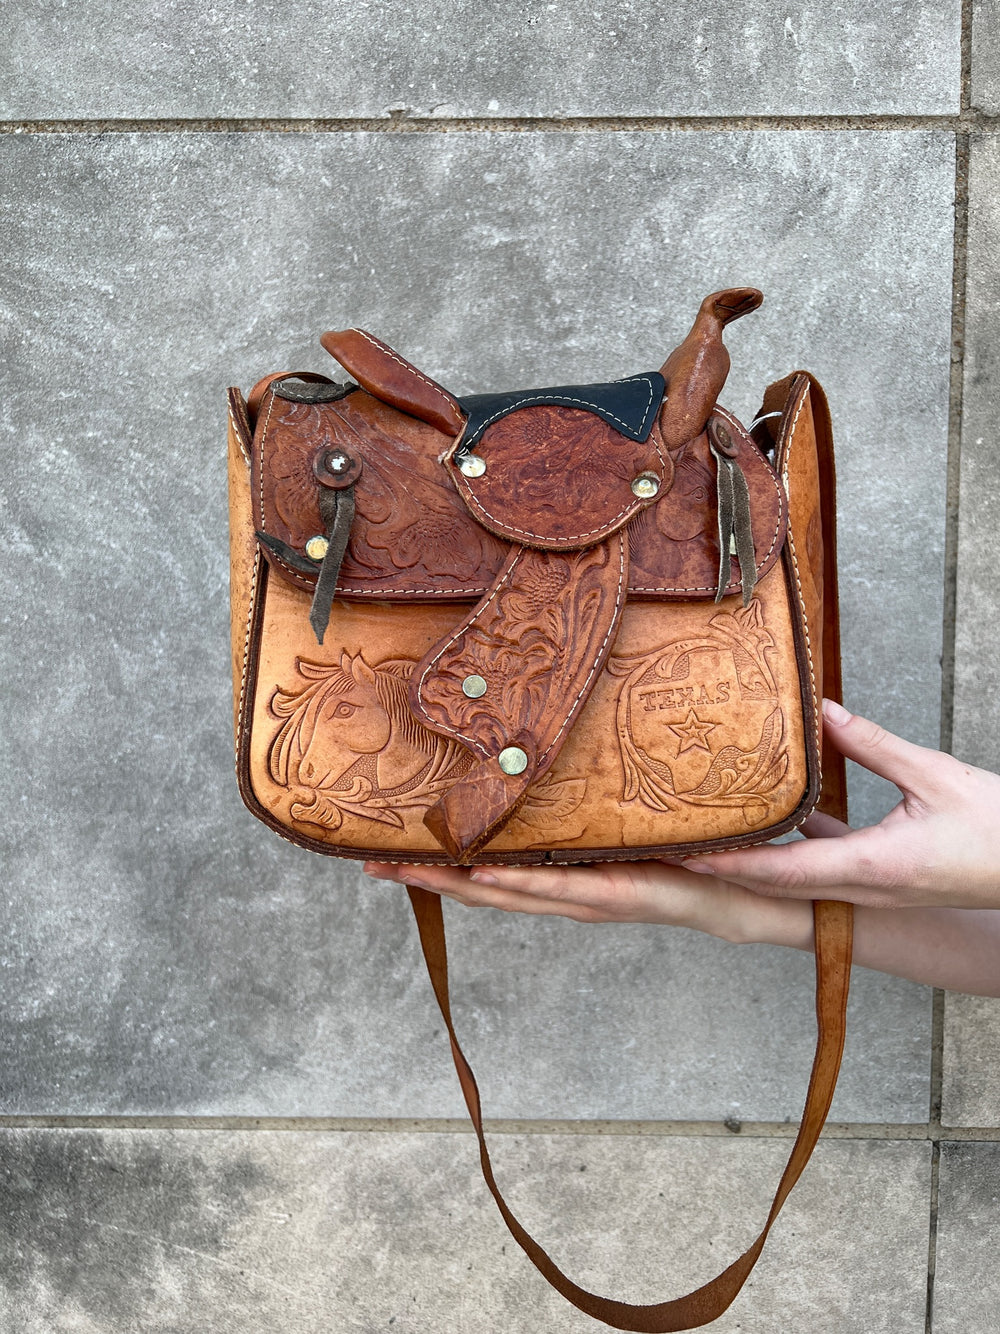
[{"x": 954, "y": 948}]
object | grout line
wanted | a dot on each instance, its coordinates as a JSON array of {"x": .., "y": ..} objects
[
  {"x": 935, "y": 1133},
  {"x": 949, "y": 618},
  {"x": 964, "y": 120},
  {"x": 932, "y": 1237},
  {"x": 844, "y": 1130},
  {"x": 968, "y": 8},
  {"x": 956, "y": 388},
  {"x": 937, "y": 1062}
]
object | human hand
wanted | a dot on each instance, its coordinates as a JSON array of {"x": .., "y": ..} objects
[
  {"x": 939, "y": 847},
  {"x": 648, "y": 891}
]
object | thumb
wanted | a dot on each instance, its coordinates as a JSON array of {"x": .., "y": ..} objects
[{"x": 910, "y": 767}]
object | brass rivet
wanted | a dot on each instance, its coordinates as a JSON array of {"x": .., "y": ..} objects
[
  {"x": 471, "y": 465},
  {"x": 722, "y": 438},
  {"x": 474, "y": 687},
  {"x": 646, "y": 485},
  {"x": 513, "y": 760},
  {"x": 316, "y": 548}
]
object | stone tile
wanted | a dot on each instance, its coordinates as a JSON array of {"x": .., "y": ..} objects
[
  {"x": 968, "y": 1237},
  {"x": 977, "y": 664},
  {"x": 175, "y": 1233},
  {"x": 622, "y": 57},
  {"x": 971, "y": 1089},
  {"x": 985, "y": 92},
  {"x": 167, "y": 954}
]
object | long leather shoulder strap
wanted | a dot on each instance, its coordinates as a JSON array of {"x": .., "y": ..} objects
[
  {"x": 782, "y": 400},
  {"x": 833, "y": 937},
  {"x": 833, "y": 796}
]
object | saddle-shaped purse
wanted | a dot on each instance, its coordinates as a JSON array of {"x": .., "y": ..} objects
[{"x": 573, "y": 624}]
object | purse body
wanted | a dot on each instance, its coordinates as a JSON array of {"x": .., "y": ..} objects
[{"x": 658, "y": 708}]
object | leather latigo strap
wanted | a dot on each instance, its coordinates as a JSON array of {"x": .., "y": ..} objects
[{"x": 833, "y": 942}]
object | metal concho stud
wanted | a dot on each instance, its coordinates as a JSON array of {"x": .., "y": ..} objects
[
  {"x": 513, "y": 760},
  {"x": 474, "y": 687},
  {"x": 316, "y": 548},
  {"x": 646, "y": 485},
  {"x": 471, "y": 465}
]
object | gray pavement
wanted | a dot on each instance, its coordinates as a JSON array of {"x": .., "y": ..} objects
[{"x": 172, "y": 973}]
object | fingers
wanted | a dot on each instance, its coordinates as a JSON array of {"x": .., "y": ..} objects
[
  {"x": 860, "y": 866},
  {"x": 542, "y": 891},
  {"x": 607, "y": 892},
  {"x": 912, "y": 768}
]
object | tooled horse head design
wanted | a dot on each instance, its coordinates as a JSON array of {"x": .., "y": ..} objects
[
  {"x": 352, "y": 708},
  {"x": 348, "y": 739}
]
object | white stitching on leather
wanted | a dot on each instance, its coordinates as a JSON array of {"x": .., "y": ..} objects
[
  {"x": 263, "y": 437},
  {"x": 600, "y": 652},
  {"x": 817, "y": 713},
  {"x": 377, "y": 342},
  {"x": 390, "y": 593},
  {"x": 246, "y": 652},
  {"x": 238, "y": 433},
  {"x": 462, "y": 630}
]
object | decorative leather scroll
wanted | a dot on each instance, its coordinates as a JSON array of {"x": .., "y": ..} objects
[
  {"x": 538, "y": 641},
  {"x": 390, "y": 377}
]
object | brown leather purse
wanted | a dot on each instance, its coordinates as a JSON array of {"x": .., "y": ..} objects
[{"x": 572, "y": 624}]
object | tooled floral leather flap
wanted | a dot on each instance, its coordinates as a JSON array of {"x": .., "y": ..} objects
[{"x": 414, "y": 536}]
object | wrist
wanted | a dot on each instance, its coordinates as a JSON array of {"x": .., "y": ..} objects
[{"x": 756, "y": 920}]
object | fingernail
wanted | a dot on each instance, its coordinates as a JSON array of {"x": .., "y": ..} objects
[
  {"x": 700, "y": 868},
  {"x": 835, "y": 713},
  {"x": 483, "y": 877}
]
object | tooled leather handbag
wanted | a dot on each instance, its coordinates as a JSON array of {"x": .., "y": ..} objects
[{"x": 573, "y": 624}]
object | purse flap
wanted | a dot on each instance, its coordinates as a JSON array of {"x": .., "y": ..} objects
[{"x": 413, "y": 537}]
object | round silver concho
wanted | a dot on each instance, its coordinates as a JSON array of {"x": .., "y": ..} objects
[
  {"x": 513, "y": 760},
  {"x": 474, "y": 686},
  {"x": 471, "y": 465},
  {"x": 645, "y": 485}
]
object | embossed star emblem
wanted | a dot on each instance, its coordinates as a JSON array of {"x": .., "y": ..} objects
[{"x": 692, "y": 733}]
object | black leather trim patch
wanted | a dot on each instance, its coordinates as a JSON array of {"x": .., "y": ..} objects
[{"x": 630, "y": 406}]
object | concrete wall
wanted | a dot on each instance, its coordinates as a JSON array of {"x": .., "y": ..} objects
[{"x": 226, "y": 1100}]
